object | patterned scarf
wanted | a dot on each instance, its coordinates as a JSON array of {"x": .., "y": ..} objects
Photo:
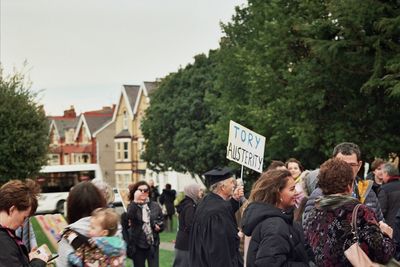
[{"x": 146, "y": 224}]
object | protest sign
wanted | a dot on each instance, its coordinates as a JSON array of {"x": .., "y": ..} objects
[{"x": 245, "y": 147}]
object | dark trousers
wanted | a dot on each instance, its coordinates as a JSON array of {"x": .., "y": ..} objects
[{"x": 141, "y": 255}]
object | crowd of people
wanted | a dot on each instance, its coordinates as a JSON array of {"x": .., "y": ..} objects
[{"x": 292, "y": 217}]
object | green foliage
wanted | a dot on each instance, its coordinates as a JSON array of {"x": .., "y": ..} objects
[
  {"x": 23, "y": 131},
  {"x": 176, "y": 122},
  {"x": 305, "y": 74}
]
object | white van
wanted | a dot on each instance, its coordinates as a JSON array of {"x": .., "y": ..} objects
[{"x": 57, "y": 180}]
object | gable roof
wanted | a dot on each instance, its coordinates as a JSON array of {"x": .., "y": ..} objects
[
  {"x": 93, "y": 120},
  {"x": 149, "y": 87},
  {"x": 131, "y": 94},
  {"x": 62, "y": 125}
]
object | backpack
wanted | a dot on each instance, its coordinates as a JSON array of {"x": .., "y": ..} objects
[{"x": 87, "y": 253}]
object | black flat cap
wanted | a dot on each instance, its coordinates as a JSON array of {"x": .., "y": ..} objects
[{"x": 218, "y": 174}]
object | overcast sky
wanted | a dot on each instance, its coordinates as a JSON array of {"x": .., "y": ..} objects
[{"x": 81, "y": 52}]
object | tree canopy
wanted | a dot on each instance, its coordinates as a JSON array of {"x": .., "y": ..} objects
[
  {"x": 23, "y": 131},
  {"x": 305, "y": 74}
]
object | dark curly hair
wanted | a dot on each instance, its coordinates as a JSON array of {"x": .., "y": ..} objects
[
  {"x": 266, "y": 189},
  {"x": 134, "y": 187},
  {"x": 335, "y": 175}
]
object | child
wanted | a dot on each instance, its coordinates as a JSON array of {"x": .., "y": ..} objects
[{"x": 101, "y": 248}]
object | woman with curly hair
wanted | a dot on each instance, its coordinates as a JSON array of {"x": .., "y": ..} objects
[{"x": 328, "y": 227}]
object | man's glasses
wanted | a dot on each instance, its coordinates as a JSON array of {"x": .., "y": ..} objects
[{"x": 143, "y": 190}]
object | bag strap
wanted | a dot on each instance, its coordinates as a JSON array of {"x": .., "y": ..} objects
[{"x": 354, "y": 220}]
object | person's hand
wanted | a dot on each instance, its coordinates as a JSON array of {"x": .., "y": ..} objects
[
  {"x": 157, "y": 228},
  {"x": 37, "y": 255},
  {"x": 136, "y": 196},
  {"x": 386, "y": 229},
  {"x": 238, "y": 192}
]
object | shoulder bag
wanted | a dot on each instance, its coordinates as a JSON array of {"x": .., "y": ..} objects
[{"x": 356, "y": 256}]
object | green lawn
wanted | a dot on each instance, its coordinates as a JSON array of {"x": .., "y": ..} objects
[
  {"x": 166, "y": 259},
  {"x": 170, "y": 236}
]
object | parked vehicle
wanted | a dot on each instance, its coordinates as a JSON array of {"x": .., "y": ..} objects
[{"x": 57, "y": 180}]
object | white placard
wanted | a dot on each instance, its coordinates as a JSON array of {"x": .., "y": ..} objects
[{"x": 245, "y": 147}]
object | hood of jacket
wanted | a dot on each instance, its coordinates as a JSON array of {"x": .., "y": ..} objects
[
  {"x": 257, "y": 212},
  {"x": 81, "y": 226},
  {"x": 185, "y": 202},
  {"x": 331, "y": 202}
]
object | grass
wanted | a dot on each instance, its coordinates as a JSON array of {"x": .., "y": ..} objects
[
  {"x": 166, "y": 259},
  {"x": 170, "y": 236}
]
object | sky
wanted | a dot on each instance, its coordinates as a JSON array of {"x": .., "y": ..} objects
[{"x": 80, "y": 53}]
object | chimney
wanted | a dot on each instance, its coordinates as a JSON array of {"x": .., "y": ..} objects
[{"x": 70, "y": 113}]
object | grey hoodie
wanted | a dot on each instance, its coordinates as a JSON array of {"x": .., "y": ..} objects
[{"x": 64, "y": 249}]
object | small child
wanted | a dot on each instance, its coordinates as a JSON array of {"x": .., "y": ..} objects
[{"x": 102, "y": 247}]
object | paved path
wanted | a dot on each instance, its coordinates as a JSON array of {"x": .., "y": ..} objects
[{"x": 167, "y": 246}]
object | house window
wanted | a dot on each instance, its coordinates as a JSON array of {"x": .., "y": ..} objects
[
  {"x": 54, "y": 159},
  {"x": 123, "y": 179},
  {"x": 123, "y": 150},
  {"x": 69, "y": 136},
  {"x": 66, "y": 159},
  {"x": 125, "y": 120}
]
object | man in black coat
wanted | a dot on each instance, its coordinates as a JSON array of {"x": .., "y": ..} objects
[
  {"x": 214, "y": 239},
  {"x": 389, "y": 195}
]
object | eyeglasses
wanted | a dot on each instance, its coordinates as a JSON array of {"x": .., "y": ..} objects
[
  {"x": 143, "y": 190},
  {"x": 352, "y": 164}
]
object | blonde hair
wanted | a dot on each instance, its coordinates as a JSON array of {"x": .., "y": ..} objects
[{"x": 109, "y": 219}]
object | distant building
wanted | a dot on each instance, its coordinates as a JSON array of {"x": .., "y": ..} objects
[
  {"x": 71, "y": 137},
  {"x": 128, "y": 139}
]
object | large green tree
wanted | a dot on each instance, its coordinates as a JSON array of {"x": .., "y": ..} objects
[
  {"x": 305, "y": 74},
  {"x": 23, "y": 131},
  {"x": 176, "y": 123},
  {"x": 312, "y": 74}
]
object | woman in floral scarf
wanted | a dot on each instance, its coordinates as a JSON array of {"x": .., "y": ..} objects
[{"x": 141, "y": 225}]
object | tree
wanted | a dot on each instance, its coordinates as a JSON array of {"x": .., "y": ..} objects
[
  {"x": 176, "y": 123},
  {"x": 313, "y": 74},
  {"x": 23, "y": 131},
  {"x": 305, "y": 74}
]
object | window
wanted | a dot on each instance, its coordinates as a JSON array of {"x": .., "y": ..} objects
[
  {"x": 125, "y": 120},
  {"x": 123, "y": 178},
  {"x": 54, "y": 159},
  {"x": 69, "y": 136},
  {"x": 123, "y": 149}
]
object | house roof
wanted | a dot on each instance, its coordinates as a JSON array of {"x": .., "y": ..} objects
[
  {"x": 132, "y": 93},
  {"x": 123, "y": 134},
  {"x": 150, "y": 87},
  {"x": 63, "y": 125},
  {"x": 95, "y": 122}
]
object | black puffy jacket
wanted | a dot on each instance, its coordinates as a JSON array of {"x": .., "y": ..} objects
[{"x": 275, "y": 240}]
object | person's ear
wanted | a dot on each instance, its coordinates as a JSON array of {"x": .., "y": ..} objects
[
  {"x": 105, "y": 232},
  {"x": 12, "y": 209},
  {"x": 359, "y": 165}
]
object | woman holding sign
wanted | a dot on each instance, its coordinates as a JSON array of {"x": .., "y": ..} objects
[{"x": 18, "y": 201}]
